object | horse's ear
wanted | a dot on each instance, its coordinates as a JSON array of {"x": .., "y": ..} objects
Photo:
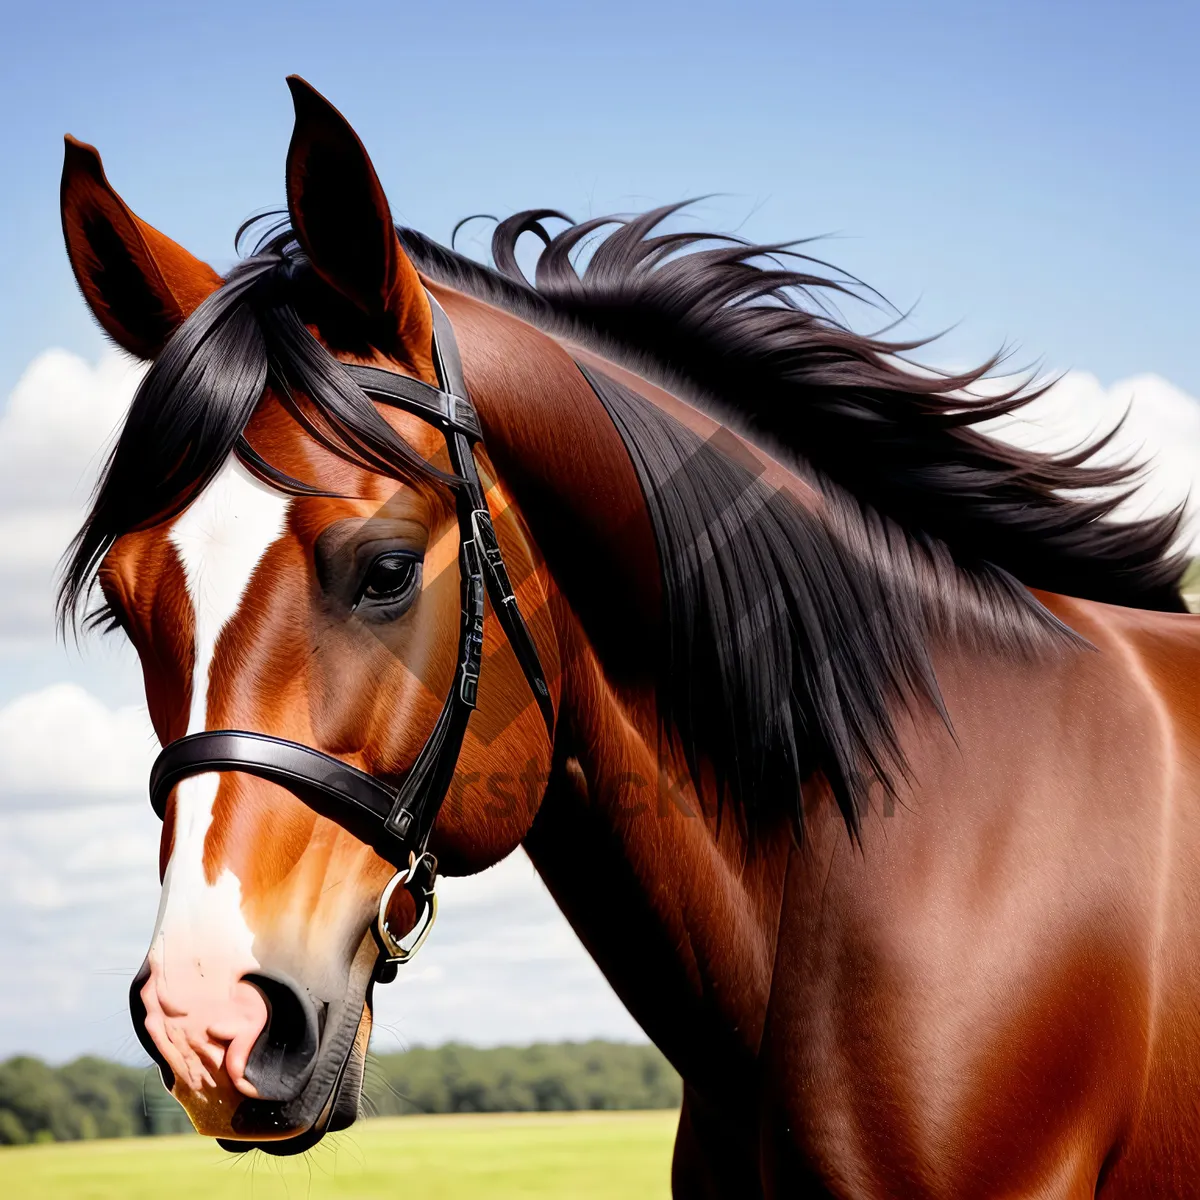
[
  {"x": 139, "y": 284},
  {"x": 342, "y": 220}
]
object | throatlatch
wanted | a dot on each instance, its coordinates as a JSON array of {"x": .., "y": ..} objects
[{"x": 395, "y": 821}]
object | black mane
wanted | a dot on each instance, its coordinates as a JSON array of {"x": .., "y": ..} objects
[
  {"x": 791, "y": 637},
  {"x": 748, "y": 338}
]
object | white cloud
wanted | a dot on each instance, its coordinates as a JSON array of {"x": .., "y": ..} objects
[
  {"x": 54, "y": 433},
  {"x": 1161, "y": 430},
  {"x": 32, "y": 540},
  {"x": 57, "y": 424},
  {"x": 63, "y": 742},
  {"x": 78, "y": 893}
]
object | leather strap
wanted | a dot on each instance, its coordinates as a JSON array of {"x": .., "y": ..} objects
[
  {"x": 355, "y": 800},
  {"x": 478, "y": 525},
  {"x": 443, "y": 409}
]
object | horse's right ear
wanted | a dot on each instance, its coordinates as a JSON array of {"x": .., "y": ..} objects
[
  {"x": 140, "y": 285},
  {"x": 342, "y": 220}
]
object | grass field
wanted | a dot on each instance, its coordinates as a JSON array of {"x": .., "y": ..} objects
[{"x": 580, "y": 1156}]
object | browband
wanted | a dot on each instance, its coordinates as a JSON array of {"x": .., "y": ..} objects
[{"x": 443, "y": 409}]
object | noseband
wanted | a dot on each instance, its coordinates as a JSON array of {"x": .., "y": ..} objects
[{"x": 395, "y": 821}]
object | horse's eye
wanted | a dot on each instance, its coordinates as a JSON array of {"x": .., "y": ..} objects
[{"x": 390, "y": 577}]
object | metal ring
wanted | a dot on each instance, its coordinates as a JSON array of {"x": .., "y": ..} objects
[{"x": 395, "y": 951}]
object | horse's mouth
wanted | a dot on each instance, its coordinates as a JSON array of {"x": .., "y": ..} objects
[
  {"x": 330, "y": 1099},
  {"x": 339, "y": 1112},
  {"x": 279, "y": 1128}
]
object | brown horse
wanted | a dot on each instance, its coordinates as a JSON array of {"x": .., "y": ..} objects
[{"x": 874, "y": 785}]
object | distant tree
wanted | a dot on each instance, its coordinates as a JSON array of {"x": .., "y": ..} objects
[
  {"x": 113, "y": 1095},
  {"x": 41, "y": 1103},
  {"x": 86, "y": 1098},
  {"x": 12, "y": 1132}
]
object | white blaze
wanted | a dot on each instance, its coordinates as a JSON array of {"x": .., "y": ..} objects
[{"x": 220, "y": 539}]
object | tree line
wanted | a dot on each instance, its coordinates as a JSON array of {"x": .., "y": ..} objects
[
  {"x": 91, "y": 1097},
  {"x": 547, "y": 1077},
  {"x": 87, "y": 1098}
]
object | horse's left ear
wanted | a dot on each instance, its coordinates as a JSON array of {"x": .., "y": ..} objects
[
  {"x": 342, "y": 220},
  {"x": 140, "y": 285}
]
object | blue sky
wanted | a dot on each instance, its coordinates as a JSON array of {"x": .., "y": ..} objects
[
  {"x": 1023, "y": 174},
  {"x": 1026, "y": 171}
]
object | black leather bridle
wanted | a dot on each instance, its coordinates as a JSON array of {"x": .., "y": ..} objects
[{"x": 395, "y": 821}]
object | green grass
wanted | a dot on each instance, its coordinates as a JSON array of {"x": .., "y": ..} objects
[{"x": 581, "y": 1156}]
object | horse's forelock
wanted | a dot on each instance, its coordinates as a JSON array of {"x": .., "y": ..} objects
[{"x": 191, "y": 410}]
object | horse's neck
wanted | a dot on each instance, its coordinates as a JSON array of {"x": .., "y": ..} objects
[{"x": 678, "y": 910}]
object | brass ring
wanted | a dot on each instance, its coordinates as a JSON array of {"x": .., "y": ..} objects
[{"x": 396, "y": 952}]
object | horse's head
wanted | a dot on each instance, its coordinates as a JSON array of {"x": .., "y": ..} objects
[{"x": 284, "y": 556}]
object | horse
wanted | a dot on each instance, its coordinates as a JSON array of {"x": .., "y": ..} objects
[{"x": 860, "y": 748}]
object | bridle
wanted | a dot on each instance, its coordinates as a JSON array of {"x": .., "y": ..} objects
[{"x": 395, "y": 821}]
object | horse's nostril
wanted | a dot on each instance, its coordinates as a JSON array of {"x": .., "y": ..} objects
[{"x": 284, "y": 1054}]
